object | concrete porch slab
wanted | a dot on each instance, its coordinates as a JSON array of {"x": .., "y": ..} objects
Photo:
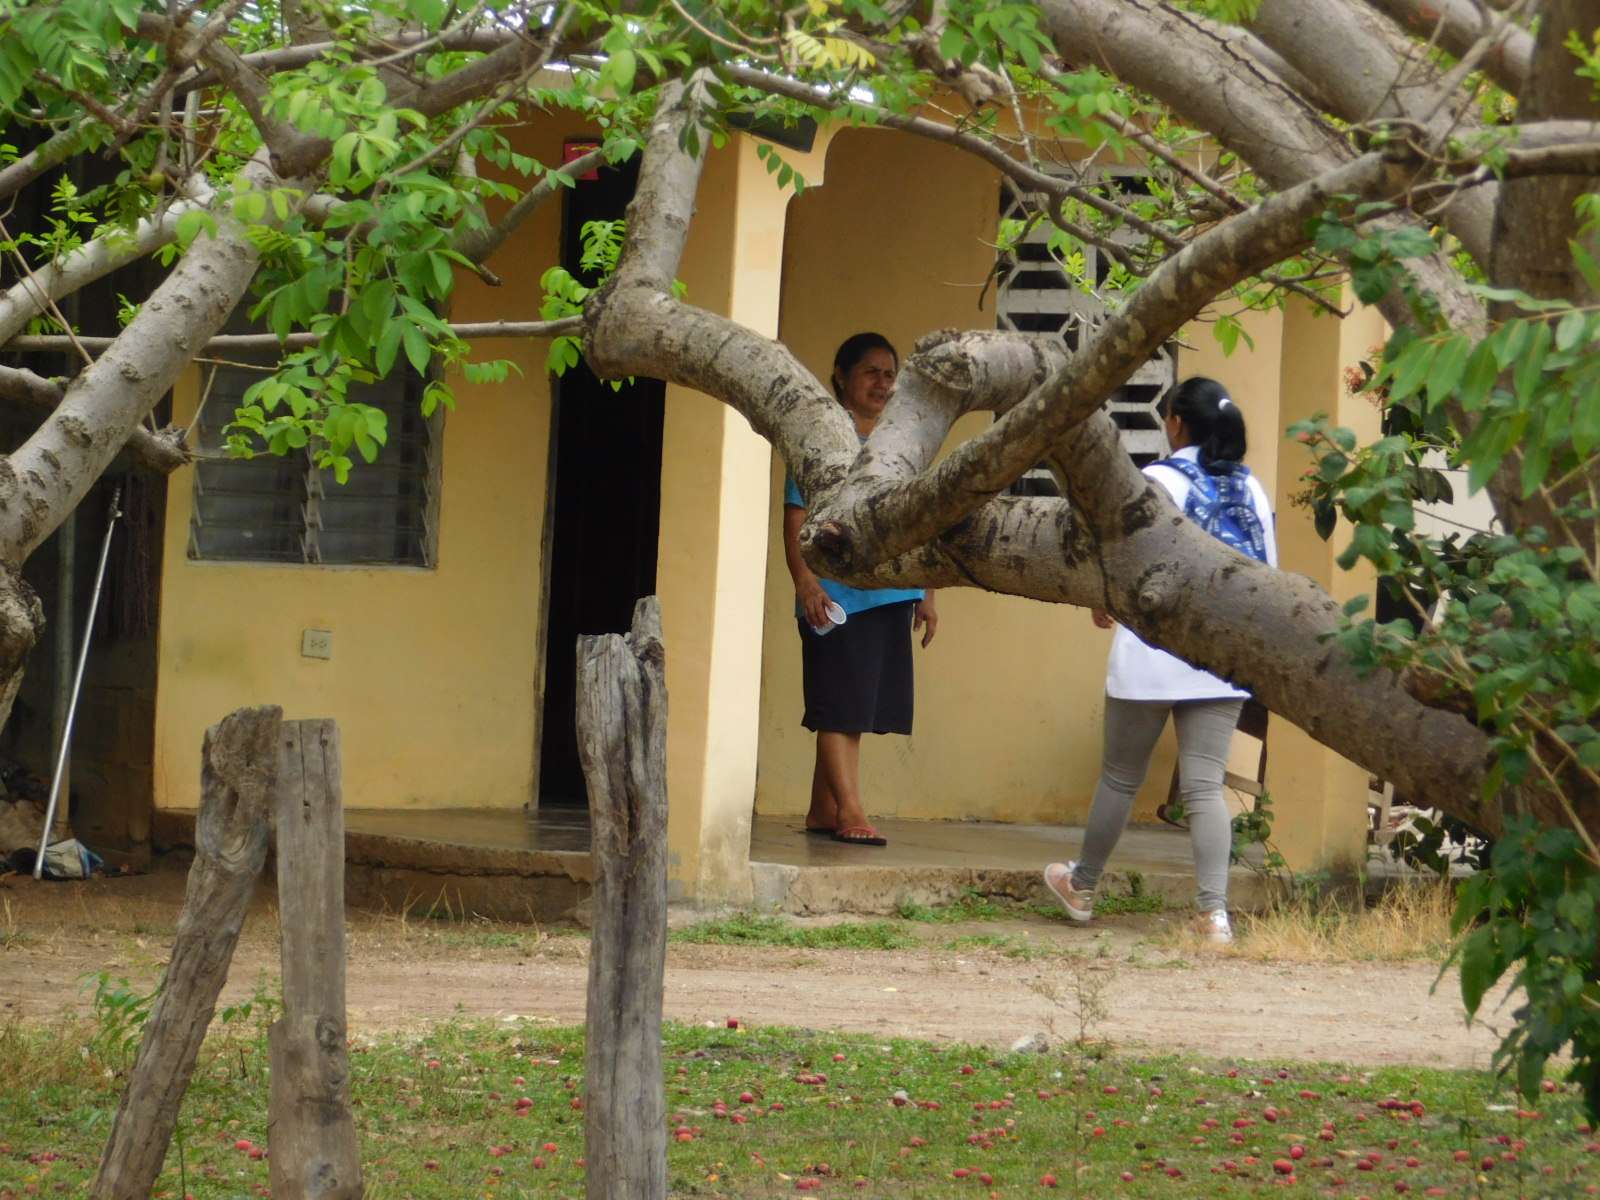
[{"x": 513, "y": 865}]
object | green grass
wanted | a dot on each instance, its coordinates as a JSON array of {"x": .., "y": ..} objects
[
  {"x": 971, "y": 906},
  {"x": 1011, "y": 945},
  {"x": 438, "y": 1117},
  {"x": 749, "y": 929}
]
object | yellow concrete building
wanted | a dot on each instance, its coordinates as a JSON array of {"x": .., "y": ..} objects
[{"x": 437, "y": 668}]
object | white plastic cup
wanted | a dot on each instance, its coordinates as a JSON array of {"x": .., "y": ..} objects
[{"x": 835, "y": 619}]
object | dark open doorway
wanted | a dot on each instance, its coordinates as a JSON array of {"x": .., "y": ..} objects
[{"x": 606, "y": 506}]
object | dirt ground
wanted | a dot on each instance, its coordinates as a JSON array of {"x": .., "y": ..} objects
[{"x": 1127, "y": 979}]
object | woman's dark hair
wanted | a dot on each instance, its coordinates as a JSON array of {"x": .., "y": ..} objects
[
  {"x": 1214, "y": 422},
  {"x": 852, "y": 350}
]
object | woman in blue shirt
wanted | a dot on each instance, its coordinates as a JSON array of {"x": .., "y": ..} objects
[{"x": 857, "y": 675}]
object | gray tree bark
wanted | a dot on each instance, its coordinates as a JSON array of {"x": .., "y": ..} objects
[
  {"x": 239, "y": 765},
  {"x": 622, "y": 742},
  {"x": 315, "y": 1153}
]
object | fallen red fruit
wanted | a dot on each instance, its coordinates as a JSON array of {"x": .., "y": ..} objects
[
  {"x": 960, "y": 1173},
  {"x": 1283, "y": 1166},
  {"x": 1126, "y": 1177},
  {"x": 747, "y": 1098},
  {"x": 538, "y": 1163},
  {"x": 242, "y": 1144},
  {"x": 551, "y": 1147},
  {"x": 1297, "y": 1152},
  {"x": 986, "y": 1179},
  {"x": 733, "y": 1022},
  {"x": 807, "y": 1184},
  {"x": 968, "y": 1069}
]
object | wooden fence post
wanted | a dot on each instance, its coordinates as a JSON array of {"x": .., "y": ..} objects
[
  {"x": 238, "y": 767},
  {"x": 622, "y": 741},
  {"x": 314, "y": 1153}
]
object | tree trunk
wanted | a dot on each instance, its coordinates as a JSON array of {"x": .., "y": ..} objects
[
  {"x": 21, "y": 623},
  {"x": 622, "y": 740},
  {"x": 239, "y": 765},
  {"x": 316, "y": 1154}
]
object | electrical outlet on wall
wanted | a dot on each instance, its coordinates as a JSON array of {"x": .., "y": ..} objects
[{"x": 316, "y": 643}]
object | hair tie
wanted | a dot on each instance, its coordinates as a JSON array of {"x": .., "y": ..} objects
[{"x": 1224, "y": 403}]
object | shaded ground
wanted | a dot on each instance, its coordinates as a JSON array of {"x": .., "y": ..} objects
[{"x": 1129, "y": 979}]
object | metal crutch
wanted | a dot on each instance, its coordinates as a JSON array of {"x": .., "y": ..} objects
[{"x": 77, "y": 684}]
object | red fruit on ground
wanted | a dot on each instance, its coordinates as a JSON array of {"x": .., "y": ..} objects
[
  {"x": 519, "y": 1081},
  {"x": 968, "y": 1069},
  {"x": 916, "y": 1141},
  {"x": 838, "y": 1058},
  {"x": 434, "y": 1064},
  {"x": 1043, "y": 1095},
  {"x": 1269, "y": 1113},
  {"x": 1110, "y": 1089},
  {"x": 1098, "y": 1131},
  {"x": 1549, "y": 1085},
  {"x": 1365, "y": 1164},
  {"x": 733, "y": 1022},
  {"x": 551, "y": 1147},
  {"x": 960, "y": 1173},
  {"x": 1242, "y": 1122},
  {"x": 242, "y": 1144},
  {"x": 775, "y": 1106},
  {"x": 1047, "y": 1181},
  {"x": 1126, "y": 1177},
  {"x": 257, "y": 1152},
  {"x": 1462, "y": 1156},
  {"x": 1283, "y": 1166},
  {"x": 1400, "y": 1185},
  {"x": 807, "y": 1183},
  {"x": 497, "y": 1151},
  {"x": 431, "y": 1164},
  {"x": 1487, "y": 1163},
  {"x": 1306, "y": 1094},
  {"x": 1413, "y": 1162},
  {"x": 1297, "y": 1151},
  {"x": 538, "y": 1163},
  {"x": 986, "y": 1179}
]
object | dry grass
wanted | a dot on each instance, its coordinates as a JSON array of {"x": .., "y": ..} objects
[{"x": 1410, "y": 922}]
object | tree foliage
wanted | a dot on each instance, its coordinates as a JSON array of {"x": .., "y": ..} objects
[{"x": 337, "y": 167}]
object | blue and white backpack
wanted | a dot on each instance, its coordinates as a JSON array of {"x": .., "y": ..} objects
[{"x": 1222, "y": 506}]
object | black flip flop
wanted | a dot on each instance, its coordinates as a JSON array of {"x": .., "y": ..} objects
[{"x": 860, "y": 835}]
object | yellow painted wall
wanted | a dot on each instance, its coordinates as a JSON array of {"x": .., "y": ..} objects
[
  {"x": 1320, "y": 798},
  {"x": 713, "y": 543},
  {"x": 1009, "y": 697},
  {"x": 434, "y": 674}
]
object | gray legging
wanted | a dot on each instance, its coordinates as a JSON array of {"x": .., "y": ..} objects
[{"x": 1205, "y": 730}]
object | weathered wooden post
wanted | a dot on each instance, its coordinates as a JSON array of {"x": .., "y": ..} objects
[
  {"x": 314, "y": 1151},
  {"x": 622, "y": 742},
  {"x": 238, "y": 768}
]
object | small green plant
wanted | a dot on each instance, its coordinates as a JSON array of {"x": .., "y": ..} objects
[
  {"x": 1253, "y": 827},
  {"x": 120, "y": 1014},
  {"x": 750, "y": 929},
  {"x": 971, "y": 905}
]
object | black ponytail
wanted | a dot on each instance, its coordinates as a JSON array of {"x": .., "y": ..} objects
[{"x": 1214, "y": 422}]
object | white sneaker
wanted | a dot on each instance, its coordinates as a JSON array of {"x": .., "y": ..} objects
[
  {"x": 1078, "y": 902},
  {"x": 1214, "y": 926}
]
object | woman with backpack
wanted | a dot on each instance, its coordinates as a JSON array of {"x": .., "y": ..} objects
[{"x": 1212, "y": 487}]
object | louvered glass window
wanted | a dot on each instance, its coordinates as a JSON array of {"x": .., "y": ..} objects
[{"x": 286, "y": 510}]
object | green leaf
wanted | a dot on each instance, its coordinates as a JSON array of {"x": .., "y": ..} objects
[
  {"x": 1412, "y": 369},
  {"x": 388, "y": 347},
  {"x": 1449, "y": 365},
  {"x": 1530, "y": 365},
  {"x": 1570, "y": 331},
  {"x": 417, "y": 350},
  {"x": 1478, "y": 379},
  {"x": 1480, "y": 967}
]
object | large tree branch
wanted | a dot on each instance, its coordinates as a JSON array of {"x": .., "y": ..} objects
[
  {"x": 884, "y": 509},
  {"x": 223, "y": 343},
  {"x": 51, "y": 472},
  {"x": 1458, "y": 26},
  {"x": 1208, "y": 81},
  {"x": 1368, "y": 80},
  {"x": 162, "y": 452},
  {"x": 95, "y": 259}
]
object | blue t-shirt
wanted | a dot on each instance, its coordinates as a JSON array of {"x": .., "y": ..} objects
[{"x": 852, "y": 600}]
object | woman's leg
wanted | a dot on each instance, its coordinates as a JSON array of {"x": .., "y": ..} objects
[
  {"x": 1205, "y": 731},
  {"x": 838, "y": 774},
  {"x": 1131, "y": 730},
  {"x": 824, "y": 813}
]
